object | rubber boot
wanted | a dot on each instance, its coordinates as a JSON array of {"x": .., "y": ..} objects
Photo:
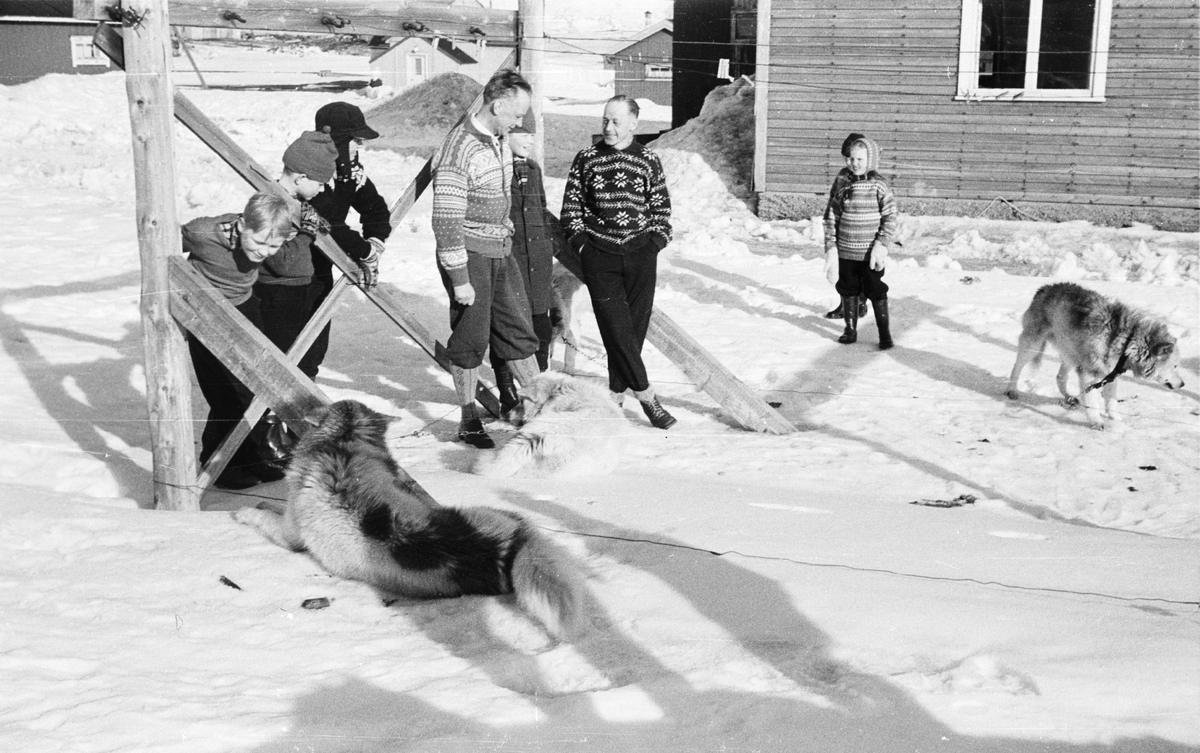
[
  {"x": 274, "y": 446},
  {"x": 883, "y": 322},
  {"x": 835, "y": 313},
  {"x": 509, "y": 399},
  {"x": 470, "y": 428},
  {"x": 850, "y": 317},
  {"x": 862, "y": 305}
]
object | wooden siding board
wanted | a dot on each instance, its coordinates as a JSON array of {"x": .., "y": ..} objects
[{"x": 890, "y": 70}]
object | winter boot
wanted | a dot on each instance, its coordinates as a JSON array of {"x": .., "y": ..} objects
[
  {"x": 883, "y": 322},
  {"x": 850, "y": 317},
  {"x": 836, "y": 313},
  {"x": 862, "y": 304},
  {"x": 470, "y": 428},
  {"x": 274, "y": 445},
  {"x": 659, "y": 418},
  {"x": 509, "y": 399}
]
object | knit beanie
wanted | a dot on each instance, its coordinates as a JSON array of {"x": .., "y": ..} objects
[
  {"x": 849, "y": 142},
  {"x": 313, "y": 155}
]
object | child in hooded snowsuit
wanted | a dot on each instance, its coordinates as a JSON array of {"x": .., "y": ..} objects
[
  {"x": 839, "y": 182},
  {"x": 860, "y": 223}
]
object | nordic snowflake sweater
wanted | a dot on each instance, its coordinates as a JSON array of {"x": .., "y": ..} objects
[
  {"x": 617, "y": 199},
  {"x": 861, "y": 210},
  {"x": 471, "y": 176}
]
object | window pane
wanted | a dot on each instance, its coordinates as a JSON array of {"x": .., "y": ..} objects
[
  {"x": 1066, "y": 50},
  {"x": 1004, "y": 30}
]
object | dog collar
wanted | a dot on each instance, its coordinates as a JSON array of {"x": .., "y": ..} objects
[{"x": 1121, "y": 367}]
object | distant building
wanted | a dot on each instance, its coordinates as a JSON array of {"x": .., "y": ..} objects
[
  {"x": 404, "y": 62},
  {"x": 32, "y": 46},
  {"x": 642, "y": 68},
  {"x": 707, "y": 32},
  {"x": 1065, "y": 110}
]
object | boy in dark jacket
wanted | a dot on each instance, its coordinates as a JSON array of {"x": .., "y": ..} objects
[
  {"x": 536, "y": 236},
  {"x": 227, "y": 251}
]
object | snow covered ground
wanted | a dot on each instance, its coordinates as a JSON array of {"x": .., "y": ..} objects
[{"x": 751, "y": 592}]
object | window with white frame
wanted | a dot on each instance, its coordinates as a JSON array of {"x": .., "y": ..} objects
[
  {"x": 84, "y": 52},
  {"x": 658, "y": 71},
  {"x": 1034, "y": 49}
]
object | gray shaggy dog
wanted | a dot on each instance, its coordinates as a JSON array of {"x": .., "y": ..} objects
[
  {"x": 355, "y": 511},
  {"x": 1099, "y": 339},
  {"x": 569, "y": 428}
]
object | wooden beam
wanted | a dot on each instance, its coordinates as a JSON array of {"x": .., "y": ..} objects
[
  {"x": 397, "y": 18},
  {"x": 248, "y": 353},
  {"x": 109, "y": 41},
  {"x": 533, "y": 62},
  {"x": 168, "y": 387},
  {"x": 746, "y": 407}
]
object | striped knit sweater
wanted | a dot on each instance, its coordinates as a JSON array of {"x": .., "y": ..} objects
[
  {"x": 861, "y": 211},
  {"x": 213, "y": 247},
  {"x": 618, "y": 199},
  {"x": 471, "y": 176}
]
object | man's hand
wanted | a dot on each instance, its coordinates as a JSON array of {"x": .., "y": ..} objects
[
  {"x": 831, "y": 266},
  {"x": 464, "y": 294},
  {"x": 879, "y": 255}
]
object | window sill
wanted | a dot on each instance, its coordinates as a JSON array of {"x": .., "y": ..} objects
[{"x": 1020, "y": 95}]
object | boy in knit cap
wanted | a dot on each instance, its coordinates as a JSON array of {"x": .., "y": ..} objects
[
  {"x": 284, "y": 282},
  {"x": 472, "y": 193},
  {"x": 536, "y": 236},
  {"x": 227, "y": 251},
  {"x": 839, "y": 182},
  {"x": 859, "y": 224}
]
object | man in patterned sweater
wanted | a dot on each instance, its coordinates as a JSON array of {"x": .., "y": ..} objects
[
  {"x": 471, "y": 200},
  {"x": 860, "y": 221},
  {"x": 617, "y": 214}
]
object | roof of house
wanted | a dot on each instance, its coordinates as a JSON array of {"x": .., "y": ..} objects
[
  {"x": 667, "y": 25},
  {"x": 444, "y": 46}
]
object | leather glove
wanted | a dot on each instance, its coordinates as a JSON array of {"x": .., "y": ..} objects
[{"x": 369, "y": 265}]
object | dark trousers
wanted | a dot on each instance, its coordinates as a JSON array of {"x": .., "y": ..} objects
[
  {"x": 544, "y": 329},
  {"x": 857, "y": 277},
  {"x": 285, "y": 311},
  {"x": 499, "y": 318},
  {"x": 227, "y": 397},
  {"x": 621, "y": 287}
]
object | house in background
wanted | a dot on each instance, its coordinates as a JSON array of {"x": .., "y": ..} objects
[
  {"x": 40, "y": 36},
  {"x": 707, "y": 32},
  {"x": 1064, "y": 109},
  {"x": 642, "y": 67},
  {"x": 404, "y": 62}
]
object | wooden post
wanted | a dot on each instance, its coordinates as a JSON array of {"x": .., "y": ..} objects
[
  {"x": 168, "y": 380},
  {"x": 532, "y": 17}
]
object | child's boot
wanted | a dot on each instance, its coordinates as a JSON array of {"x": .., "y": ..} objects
[
  {"x": 883, "y": 323},
  {"x": 862, "y": 304},
  {"x": 850, "y": 317},
  {"x": 470, "y": 428},
  {"x": 835, "y": 313}
]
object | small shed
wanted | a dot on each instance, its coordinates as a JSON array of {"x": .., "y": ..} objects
[
  {"x": 1088, "y": 109},
  {"x": 642, "y": 67},
  {"x": 405, "y": 62},
  {"x": 32, "y": 46}
]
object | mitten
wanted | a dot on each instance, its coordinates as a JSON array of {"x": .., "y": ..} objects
[{"x": 311, "y": 222}]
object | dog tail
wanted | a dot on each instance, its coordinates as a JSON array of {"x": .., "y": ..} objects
[
  {"x": 547, "y": 583},
  {"x": 509, "y": 459}
]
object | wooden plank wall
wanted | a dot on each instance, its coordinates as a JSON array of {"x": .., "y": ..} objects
[{"x": 888, "y": 68}]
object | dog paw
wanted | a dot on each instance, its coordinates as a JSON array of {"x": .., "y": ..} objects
[
  {"x": 1070, "y": 403},
  {"x": 1012, "y": 394}
]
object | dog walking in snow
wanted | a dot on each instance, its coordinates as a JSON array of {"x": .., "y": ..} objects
[
  {"x": 570, "y": 428},
  {"x": 352, "y": 508},
  {"x": 1099, "y": 339}
]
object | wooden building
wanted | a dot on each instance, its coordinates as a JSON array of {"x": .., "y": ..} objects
[
  {"x": 642, "y": 67},
  {"x": 1088, "y": 109},
  {"x": 32, "y": 46},
  {"x": 707, "y": 32},
  {"x": 404, "y": 62}
]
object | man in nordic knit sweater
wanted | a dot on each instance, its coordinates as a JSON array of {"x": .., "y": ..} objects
[
  {"x": 860, "y": 221},
  {"x": 617, "y": 214},
  {"x": 472, "y": 177}
]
